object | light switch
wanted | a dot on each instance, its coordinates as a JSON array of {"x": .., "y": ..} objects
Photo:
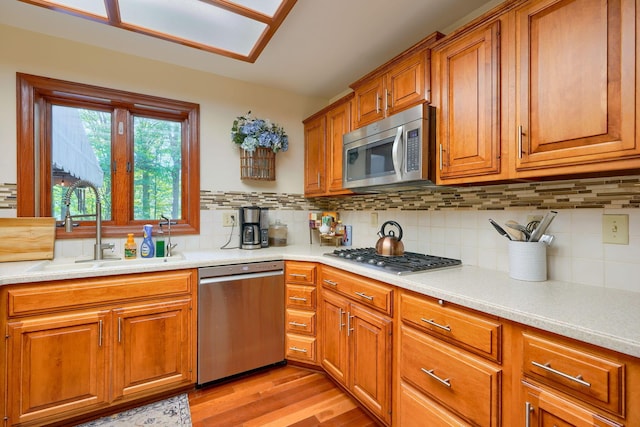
[
  {"x": 615, "y": 229},
  {"x": 373, "y": 219}
]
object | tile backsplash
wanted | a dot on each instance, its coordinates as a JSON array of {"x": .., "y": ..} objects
[{"x": 451, "y": 222}]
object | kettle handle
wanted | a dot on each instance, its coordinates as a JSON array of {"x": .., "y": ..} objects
[{"x": 394, "y": 224}]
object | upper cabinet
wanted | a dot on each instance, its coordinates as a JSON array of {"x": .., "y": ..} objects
[
  {"x": 323, "y": 148},
  {"x": 539, "y": 88},
  {"x": 575, "y": 106},
  {"x": 395, "y": 86},
  {"x": 467, "y": 80}
]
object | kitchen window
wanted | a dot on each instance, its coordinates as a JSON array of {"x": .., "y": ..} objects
[{"x": 141, "y": 153}]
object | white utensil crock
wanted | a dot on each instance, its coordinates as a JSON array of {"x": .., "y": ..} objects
[{"x": 528, "y": 261}]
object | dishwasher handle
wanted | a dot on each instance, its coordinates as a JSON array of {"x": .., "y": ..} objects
[{"x": 210, "y": 280}]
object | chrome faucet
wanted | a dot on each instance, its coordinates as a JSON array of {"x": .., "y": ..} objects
[
  {"x": 168, "y": 222},
  {"x": 99, "y": 247}
]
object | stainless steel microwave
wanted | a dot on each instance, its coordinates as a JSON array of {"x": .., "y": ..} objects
[{"x": 392, "y": 152}]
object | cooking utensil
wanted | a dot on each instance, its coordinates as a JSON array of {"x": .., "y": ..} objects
[
  {"x": 519, "y": 227},
  {"x": 389, "y": 244},
  {"x": 500, "y": 229},
  {"x": 544, "y": 224}
]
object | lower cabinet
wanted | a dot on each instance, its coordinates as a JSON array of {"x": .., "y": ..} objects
[
  {"x": 357, "y": 350},
  {"x": 566, "y": 383},
  {"x": 63, "y": 363},
  {"x": 439, "y": 373},
  {"x": 300, "y": 316}
]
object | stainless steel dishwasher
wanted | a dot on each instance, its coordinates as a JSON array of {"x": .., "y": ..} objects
[{"x": 240, "y": 318}]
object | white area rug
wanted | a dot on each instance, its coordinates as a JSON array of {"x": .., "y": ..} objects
[{"x": 169, "y": 412}]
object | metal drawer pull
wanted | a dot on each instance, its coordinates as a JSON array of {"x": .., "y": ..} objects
[
  {"x": 301, "y": 350},
  {"x": 349, "y": 328},
  {"x": 363, "y": 295},
  {"x": 297, "y": 275},
  {"x": 437, "y": 325},
  {"x": 298, "y": 298},
  {"x": 100, "y": 333},
  {"x": 330, "y": 282},
  {"x": 435, "y": 377},
  {"x": 528, "y": 409},
  {"x": 304, "y": 325},
  {"x": 547, "y": 367}
]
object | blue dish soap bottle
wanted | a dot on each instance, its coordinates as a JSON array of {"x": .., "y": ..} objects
[{"x": 147, "y": 248}]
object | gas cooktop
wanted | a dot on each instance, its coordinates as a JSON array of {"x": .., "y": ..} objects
[{"x": 410, "y": 262}]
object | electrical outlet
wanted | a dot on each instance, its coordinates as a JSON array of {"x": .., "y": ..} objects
[
  {"x": 229, "y": 219},
  {"x": 373, "y": 219},
  {"x": 615, "y": 229}
]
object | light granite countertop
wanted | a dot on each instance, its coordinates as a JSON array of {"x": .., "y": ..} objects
[{"x": 605, "y": 317}]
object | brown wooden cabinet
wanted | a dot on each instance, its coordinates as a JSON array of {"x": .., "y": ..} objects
[
  {"x": 467, "y": 78},
  {"x": 439, "y": 372},
  {"x": 402, "y": 82},
  {"x": 538, "y": 88},
  {"x": 565, "y": 382},
  {"x": 402, "y": 86},
  {"x": 357, "y": 342},
  {"x": 323, "y": 148},
  {"x": 301, "y": 344},
  {"x": 575, "y": 100},
  {"x": 83, "y": 345}
]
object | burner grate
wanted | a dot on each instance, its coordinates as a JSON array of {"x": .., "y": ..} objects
[{"x": 410, "y": 262}]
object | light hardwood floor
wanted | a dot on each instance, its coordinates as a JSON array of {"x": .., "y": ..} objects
[{"x": 282, "y": 396}]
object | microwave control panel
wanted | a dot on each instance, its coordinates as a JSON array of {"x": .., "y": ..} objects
[{"x": 413, "y": 150}]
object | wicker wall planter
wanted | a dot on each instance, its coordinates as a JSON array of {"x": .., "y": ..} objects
[{"x": 258, "y": 165}]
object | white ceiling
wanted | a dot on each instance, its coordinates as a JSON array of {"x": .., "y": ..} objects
[{"x": 321, "y": 47}]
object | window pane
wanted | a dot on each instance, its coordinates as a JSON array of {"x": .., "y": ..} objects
[
  {"x": 81, "y": 150},
  {"x": 157, "y": 168}
]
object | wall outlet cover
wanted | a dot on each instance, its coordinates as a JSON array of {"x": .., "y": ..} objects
[
  {"x": 229, "y": 219},
  {"x": 615, "y": 229}
]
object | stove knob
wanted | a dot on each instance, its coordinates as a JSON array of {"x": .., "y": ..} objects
[
  {"x": 359, "y": 258},
  {"x": 371, "y": 261},
  {"x": 348, "y": 256},
  {"x": 380, "y": 263}
]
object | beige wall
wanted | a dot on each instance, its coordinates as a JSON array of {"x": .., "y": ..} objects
[{"x": 221, "y": 100}]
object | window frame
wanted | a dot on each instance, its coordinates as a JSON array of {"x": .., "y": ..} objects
[{"x": 34, "y": 96}]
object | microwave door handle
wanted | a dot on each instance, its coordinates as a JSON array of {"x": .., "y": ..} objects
[{"x": 395, "y": 153}]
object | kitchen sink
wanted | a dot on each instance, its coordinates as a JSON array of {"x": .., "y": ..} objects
[{"x": 73, "y": 264}]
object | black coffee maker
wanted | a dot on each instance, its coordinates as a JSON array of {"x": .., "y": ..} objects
[{"x": 250, "y": 227}]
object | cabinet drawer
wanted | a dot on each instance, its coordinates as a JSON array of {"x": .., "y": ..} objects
[
  {"x": 416, "y": 410},
  {"x": 73, "y": 294},
  {"x": 466, "y": 385},
  {"x": 301, "y": 348},
  {"x": 301, "y": 296},
  {"x": 460, "y": 327},
  {"x": 366, "y": 291},
  {"x": 577, "y": 371},
  {"x": 301, "y": 321},
  {"x": 300, "y": 272}
]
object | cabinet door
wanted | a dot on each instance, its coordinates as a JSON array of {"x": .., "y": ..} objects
[
  {"x": 576, "y": 88},
  {"x": 370, "y": 352},
  {"x": 59, "y": 365},
  {"x": 368, "y": 102},
  {"x": 314, "y": 156},
  {"x": 405, "y": 83},
  {"x": 468, "y": 81},
  {"x": 542, "y": 408},
  {"x": 338, "y": 123},
  {"x": 152, "y": 347},
  {"x": 334, "y": 336}
]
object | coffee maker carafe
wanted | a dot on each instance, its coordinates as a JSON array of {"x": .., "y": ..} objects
[{"x": 250, "y": 227}]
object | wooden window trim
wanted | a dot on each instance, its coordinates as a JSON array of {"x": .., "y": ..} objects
[{"x": 31, "y": 155}]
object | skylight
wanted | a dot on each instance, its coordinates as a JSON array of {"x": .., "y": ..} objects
[{"x": 238, "y": 29}]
